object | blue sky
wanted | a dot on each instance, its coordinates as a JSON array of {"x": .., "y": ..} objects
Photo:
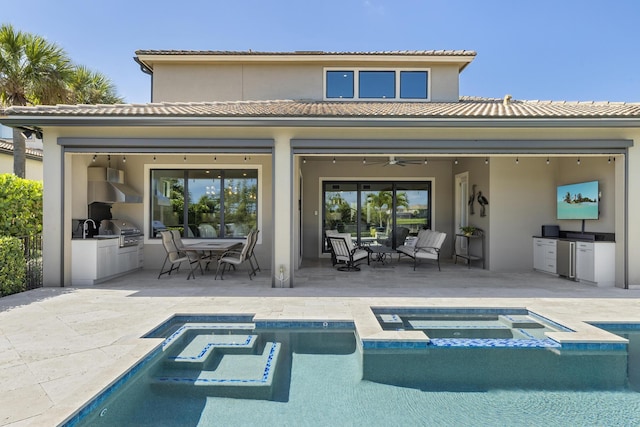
[{"x": 544, "y": 49}]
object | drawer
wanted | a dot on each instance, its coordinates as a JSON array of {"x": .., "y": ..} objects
[{"x": 584, "y": 246}]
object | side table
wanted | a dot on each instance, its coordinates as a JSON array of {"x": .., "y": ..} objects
[{"x": 470, "y": 255}]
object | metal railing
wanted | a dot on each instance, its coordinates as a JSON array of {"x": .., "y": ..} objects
[{"x": 32, "y": 246}]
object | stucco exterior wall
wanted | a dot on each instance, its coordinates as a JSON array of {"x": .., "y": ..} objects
[{"x": 241, "y": 82}]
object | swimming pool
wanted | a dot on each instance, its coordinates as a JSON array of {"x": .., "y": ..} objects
[{"x": 319, "y": 374}]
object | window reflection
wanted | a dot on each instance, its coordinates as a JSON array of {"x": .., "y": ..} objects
[
  {"x": 339, "y": 84},
  {"x": 205, "y": 203},
  {"x": 413, "y": 84},
  {"x": 377, "y": 84}
]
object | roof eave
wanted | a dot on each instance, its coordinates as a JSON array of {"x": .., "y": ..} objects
[
  {"x": 409, "y": 122},
  {"x": 148, "y": 60}
]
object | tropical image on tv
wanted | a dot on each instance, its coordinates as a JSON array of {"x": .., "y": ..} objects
[{"x": 578, "y": 201}]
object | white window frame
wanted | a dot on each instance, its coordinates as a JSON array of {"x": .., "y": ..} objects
[{"x": 356, "y": 84}]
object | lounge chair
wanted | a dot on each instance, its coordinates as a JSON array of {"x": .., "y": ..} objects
[
  {"x": 346, "y": 253},
  {"x": 328, "y": 233},
  {"x": 426, "y": 246}
]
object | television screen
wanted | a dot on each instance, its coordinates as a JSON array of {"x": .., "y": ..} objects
[{"x": 578, "y": 201}]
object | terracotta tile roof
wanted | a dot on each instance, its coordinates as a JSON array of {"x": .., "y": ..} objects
[
  {"x": 466, "y": 108},
  {"x": 6, "y": 146},
  {"x": 311, "y": 52}
]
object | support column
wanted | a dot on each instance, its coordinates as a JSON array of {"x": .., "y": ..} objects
[
  {"x": 282, "y": 214},
  {"x": 53, "y": 211}
]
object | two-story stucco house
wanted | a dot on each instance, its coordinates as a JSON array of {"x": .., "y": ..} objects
[{"x": 294, "y": 143}]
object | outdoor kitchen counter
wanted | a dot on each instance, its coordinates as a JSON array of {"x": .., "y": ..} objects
[{"x": 98, "y": 259}]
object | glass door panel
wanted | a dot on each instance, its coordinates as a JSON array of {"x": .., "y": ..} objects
[
  {"x": 376, "y": 200},
  {"x": 412, "y": 208},
  {"x": 376, "y": 213},
  {"x": 340, "y": 208}
]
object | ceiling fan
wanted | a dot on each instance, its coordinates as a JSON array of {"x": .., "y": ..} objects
[{"x": 394, "y": 161}]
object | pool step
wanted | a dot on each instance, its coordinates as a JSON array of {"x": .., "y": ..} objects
[
  {"x": 248, "y": 376},
  {"x": 198, "y": 350},
  {"x": 520, "y": 321}
]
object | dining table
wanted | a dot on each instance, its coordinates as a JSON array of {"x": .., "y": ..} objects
[{"x": 214, "y": 250}]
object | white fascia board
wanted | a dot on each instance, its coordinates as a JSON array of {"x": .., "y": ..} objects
[{"x": 461, "y": 60}]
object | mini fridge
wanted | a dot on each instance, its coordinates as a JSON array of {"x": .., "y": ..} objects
[{"x": 566, "y": 259}]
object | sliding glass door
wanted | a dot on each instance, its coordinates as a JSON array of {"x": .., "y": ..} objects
[{"x": 374, "y": 212}]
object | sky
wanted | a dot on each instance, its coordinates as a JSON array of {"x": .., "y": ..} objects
[{"x": 563, "y": 50}]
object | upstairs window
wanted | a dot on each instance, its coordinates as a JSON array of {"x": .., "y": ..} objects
[
  {"x": 413, "y": 85},
  {"x": 340, "y": 84},
  {"x": 377, "y": 84},
  {"x": 367, "y": 84}
]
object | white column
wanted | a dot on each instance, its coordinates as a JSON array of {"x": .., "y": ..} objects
[
  {"x": 53, "y": 212},
  {"x": 282, "y": 213}
]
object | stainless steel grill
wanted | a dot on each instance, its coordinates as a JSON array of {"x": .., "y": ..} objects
[{"x": 128, "y": 233}]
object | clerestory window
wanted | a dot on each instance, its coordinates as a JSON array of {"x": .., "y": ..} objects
[{"x": 376, "y": 84}]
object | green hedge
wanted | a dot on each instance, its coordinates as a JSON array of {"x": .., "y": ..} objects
[
  {"x": 20, "y": 206},
  {"x": 12, "y": 266}
]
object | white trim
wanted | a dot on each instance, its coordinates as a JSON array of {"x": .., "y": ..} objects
[
  {"x": 147, "y": 175},
  {"x": 356, "y": 84}
]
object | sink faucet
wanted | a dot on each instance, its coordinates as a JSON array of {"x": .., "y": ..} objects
[{"x": 85, "y": 227}]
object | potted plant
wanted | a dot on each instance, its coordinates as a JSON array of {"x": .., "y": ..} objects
[{"x": 468, "y": 230}]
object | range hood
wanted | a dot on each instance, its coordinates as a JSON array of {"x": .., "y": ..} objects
[{"x": 107, "y": 185}]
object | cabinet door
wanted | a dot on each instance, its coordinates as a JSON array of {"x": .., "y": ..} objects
[
  {"x": 104, "y": 263},
  {"x": 538, "y": 254},
  {"x": 584, "y": 262}
]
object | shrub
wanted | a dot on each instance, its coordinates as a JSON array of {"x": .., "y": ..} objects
[
  {"x": 12, "y": 262},
  {"x": 20, "y": 206}
]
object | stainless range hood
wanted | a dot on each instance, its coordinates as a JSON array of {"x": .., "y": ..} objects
[{"x": 107, "y": 185}]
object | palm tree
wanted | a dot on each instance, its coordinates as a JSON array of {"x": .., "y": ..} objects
[
  {"x": 32, "y": 71},
  {"x": 91, "y": 87}
]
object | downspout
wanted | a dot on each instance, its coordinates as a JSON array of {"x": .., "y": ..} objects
[{"x": 146, "y": 70}]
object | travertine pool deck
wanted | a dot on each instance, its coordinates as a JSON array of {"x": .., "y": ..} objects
[{"x": 61, "y": 346}]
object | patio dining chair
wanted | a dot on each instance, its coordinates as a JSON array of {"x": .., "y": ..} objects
[
  {"x": 194, "y": 256},
  {"x": 174, "y": 257},
  {"x": 348, "y": 255},
  {"x": 252, "y": 255},
  {"x": 236, "y": 258}
]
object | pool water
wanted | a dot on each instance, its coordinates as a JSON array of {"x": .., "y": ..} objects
[{"x": 322, "y": 377}]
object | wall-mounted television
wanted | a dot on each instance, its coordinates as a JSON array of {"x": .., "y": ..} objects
[{"x": 578, "y": 201}]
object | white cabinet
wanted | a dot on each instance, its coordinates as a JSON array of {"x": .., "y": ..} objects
[
  {"x": 544, "y": 255},
  {"x": 595, "y": 263},
  {"x": 96, "y": 260}
]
